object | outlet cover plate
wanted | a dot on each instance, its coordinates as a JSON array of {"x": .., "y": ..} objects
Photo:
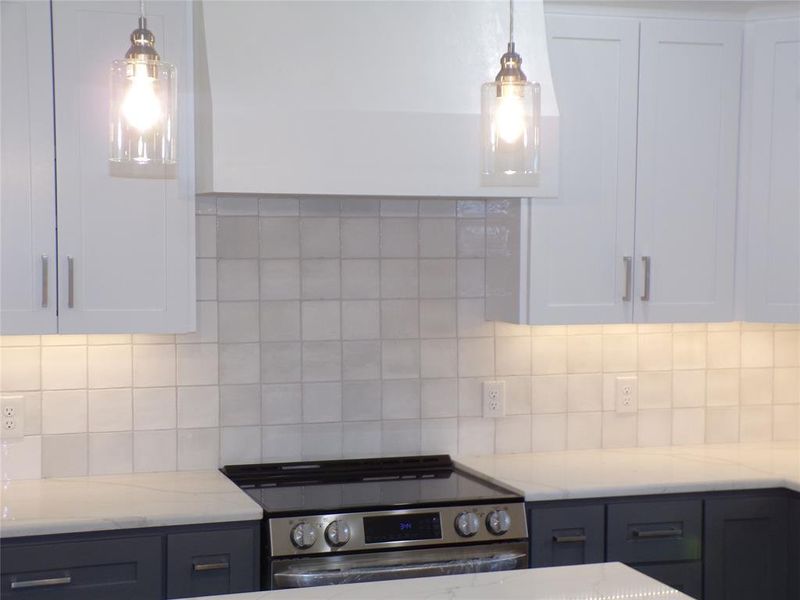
[
  {"x": 494, "y": 399},
  {"x": 626, "y": 394},
  {"x": 12, "y": 413}
]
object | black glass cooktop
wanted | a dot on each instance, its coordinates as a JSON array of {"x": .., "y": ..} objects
[{"x": 368, "y": 484}]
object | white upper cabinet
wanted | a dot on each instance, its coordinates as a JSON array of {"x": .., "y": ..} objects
[
  {"x": 125, "y": 243},
  {"x": 27, "y": 192},
  {"x": 687, "y": 170},
  {"x": 358, "y": 98},
  {"x": 770, "y": 167}
]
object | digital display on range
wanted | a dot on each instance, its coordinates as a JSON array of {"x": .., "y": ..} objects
[{"x": 394, "y": 528}]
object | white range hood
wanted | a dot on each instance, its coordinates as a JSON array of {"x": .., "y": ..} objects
[{"x": 358, "y": 97}]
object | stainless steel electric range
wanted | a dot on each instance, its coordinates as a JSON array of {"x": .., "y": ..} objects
[{"x": 347, "y": 521}]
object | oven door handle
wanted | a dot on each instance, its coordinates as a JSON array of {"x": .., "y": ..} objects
[{"x": 499, "y": 562}]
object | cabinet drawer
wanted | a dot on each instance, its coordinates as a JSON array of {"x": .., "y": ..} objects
[
  {"x": 566, "y": 536},
  {"x": 211, "y": 562},
  {"x": 655, "y": 531},
  {"x": 686, "y": 577},
  {"x": 87, "y": 570}
]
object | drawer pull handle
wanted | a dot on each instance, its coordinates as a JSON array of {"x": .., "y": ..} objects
[
  {"x": 627, "y": 262},
  {"x": 37, "y": 583},
  {"x": 656, "y": 533},
  {"x": 645, "y": 297},
  {"x": 217, "y": 566},
  {"x": 568, "y": 539}
]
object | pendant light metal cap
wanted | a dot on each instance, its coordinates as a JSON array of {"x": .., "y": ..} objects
[
  {"x": 143, "y": 45},
  {"x": 510, "y": 67}
]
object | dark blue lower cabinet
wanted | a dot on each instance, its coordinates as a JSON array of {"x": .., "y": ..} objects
[
  {"x": 686, "y": 577},
  {"x": 569, "y": 535}
]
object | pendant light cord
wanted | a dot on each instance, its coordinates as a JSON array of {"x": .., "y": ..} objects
[
  {"x": 141, "y": 8},
  {"x": 510, "y": 21}
]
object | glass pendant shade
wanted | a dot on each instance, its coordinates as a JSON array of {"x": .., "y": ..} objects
[{"x": 143, "y": 105}]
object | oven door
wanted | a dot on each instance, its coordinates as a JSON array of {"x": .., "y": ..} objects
[{"x": 402, "y": 564}]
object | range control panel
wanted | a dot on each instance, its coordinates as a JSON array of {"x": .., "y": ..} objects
[{"x": 291, "y": 536}]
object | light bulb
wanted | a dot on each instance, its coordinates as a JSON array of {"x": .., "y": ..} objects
[
  {"x": 141, "y": 107},
  {"x": 509, "y": 117}
]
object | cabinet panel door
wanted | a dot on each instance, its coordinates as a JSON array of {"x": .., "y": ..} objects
[
  {"x": 578, "y": 241},
  {"x": 27, "y": 182},
  {"x": 572, "y": 535},
  {"x": 129, "y": 235},
  {"x": 686, "y": 577},
  {"x": 686, "y": 178},
  {"x": 770, "y": 173},
  {"x": 746, "y": 548}
]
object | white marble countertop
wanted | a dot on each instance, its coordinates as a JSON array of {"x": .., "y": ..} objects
[
  {"x": 105, "y": 502},
  {"x": 607, "y": 581},
  {"x": 632, "y": 471}
]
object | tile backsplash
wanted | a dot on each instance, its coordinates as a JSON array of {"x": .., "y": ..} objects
[{"x": 355, "y": 327}]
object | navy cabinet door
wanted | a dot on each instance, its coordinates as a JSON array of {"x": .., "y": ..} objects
[
  {"x": 686, "y": 577},
  {"x": 212, "y": 562},
  {"x": 746, "y": 549},
  {"x": 85, "y": 570},
  {"x": 571, "y": 535}
]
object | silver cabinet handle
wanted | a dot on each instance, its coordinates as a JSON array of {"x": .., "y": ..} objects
[
  {"x": 45, "y": 281},
  {"x": 568, "y": 539},
  {"x": 217, "y": 566},
  {"x": 628, "y": 262},
  {"x": 37, "y": 583},
  {"x": 656, "y": 533},
  {"x": 70, "y": 282},
  {"x": 646, "y": 294}
]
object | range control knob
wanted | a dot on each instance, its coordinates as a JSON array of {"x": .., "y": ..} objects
[
  {"x": 498, "y": 522},
  {"x": 303, "y": 535},
  {"x": 337, "y": 533},
  {"x": 467, "y": 524}
]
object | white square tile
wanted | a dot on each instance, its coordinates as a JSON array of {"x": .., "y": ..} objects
[
  {"x": 206, "y": 278},
  {"x": 548, "y": 432},
  {"x": 471, "y": 319},
  {"x": 238, "y": 322},
  {"x": 322, "y": 361},
  {"x": 471, "y": 209},
  {"x": 198, "y": 364},
  {"x": 757, "y": 349},
  {"x": 321, "y": 320},
  {"x": 360, "y": 278},
  {"x": 278, "y": 207},
  {"x": 238, "y": 279},
  {"x": 280, "y": 279},
  {"x": 401, "y": 399},
  {"x": 239, "y": 405},
  {"x": 198, "y": 406},
  {"x": 33, "y": 412},
  {"x": 155, "y": 451},
  {"x": 689, "y": 350},
  {"x": 280, "y": 363},
  {"x": 281, "y": 442},
  {"x": 688, "y": 388},
  {"x": 722, "y": 424},
  {"x": 437, "y": 278},
  {"x": 619, "y": 352},
  {"x": 360, "y": 238},
  {"x": 439, "y": 398},
  {"x": 502, "y": 329},
  {"x": 654, "y": 427},
  {"x": 548, "y": 355},
  {"x": 475, "y": 435},
  {"x": 245, "y": 205},
  {"x": 20, "y": 369},
  {"x": 360, "y": 207},
  {"x": 206, "y": 236},
  {"x": 206, "y": 325},
  {"x": 360, "y": 319},
  {"x": 723, "y": 349},
  {"x": 110, "y": 453},
  {"x": 655, "y": 352},
  {"x": 239, "y": 363},
  {"x": 439, "y": 358},
  {"x": 154, "y": 408},
  {"x": 399, "y": 238},
  {"x": 584, "y": 430},
  {"x": 361, "y": 400},
  {"x": 280, "y": 321},
  {"x": 655, "y": 389},
  {"x": 470, "y": 397},
  {"x": 319, "y": 237},
  {"x": 437, "y": 207},
  {"x": 512, "y": 356},
  {"x": 471, "y": 278},
  {"x": 400, "y": 359},
  {"x": 22, "y": 459},
  {"x": 755, "y": 386},
  {"x": 722, "y": 387},
  {"x": 323, "y": 206},
  {"x": 240, "y": 445},
  {"x": 400, "y": 437},
  {"x": 437, "y": 238},
  {"x": 237, "y": 237},
  {"x": 787, "y": 348},
  {"x": 512, "y": 434},
  {"x": 64, "y": 340},
  {"x": 471, "y": 238},
  {"x": 20, "y": 340},
  {"x": 585, "y": 392},
  {"x": 584, "y": 353},
  {"x": 688, "y": 426},
  {"x": 620, "y": 430},
  {"x": 281, "y": 404},
  {"x": 518, "y": 395},
  {"x": 755, "y": 424},
  {"x": 399, "y": 207},
  {"x": 439, "y": 436},
  {"x": 475, "y": 357},
  {"x": 786, "y": 386},
  {"x": 110, "y": 410},
  {"x": 361, "y": 360},
  {"x": 65, "y": 455},
  {"x": 322, "y": 440},
  {"x": 549, "y": 393},
  {"x": 280, "y": 237},
  {"x": 785, "y": 422},
  {"x": 64, "y": 412},
  {"x": 320, "y": 278},
  {"x": 399, "y": 319},
  {"x": 437, "y": 318},
  {"x": 198, "y": 449},
  {"x": 63, "y": 367},
  {"x": 399, "y": 278}
]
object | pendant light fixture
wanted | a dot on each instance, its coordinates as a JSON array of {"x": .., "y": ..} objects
[
  {"x": 143, "y": 103},
  {"x": 510, "y": 114}
]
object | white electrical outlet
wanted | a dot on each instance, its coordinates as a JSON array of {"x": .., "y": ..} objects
[
  {"x": 13, "y": 415},
  {"x": 494, "y": 399},
  {"x": 626, "y": 396}
]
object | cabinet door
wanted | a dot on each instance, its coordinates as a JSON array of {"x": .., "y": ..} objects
[
  {"x": 211, "y": 562},
  {"x": 686, "y": 577},
  {"x": 579, "y": 241},
  {"x": 27, "y": 186},
  {"x": 572, "y": 535},
  {"x": 125, "y": 240},
  {"x": 746, "y": 548},
  {"x": 770, "y": 174},
  {"x": 686, "y": 177}
]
